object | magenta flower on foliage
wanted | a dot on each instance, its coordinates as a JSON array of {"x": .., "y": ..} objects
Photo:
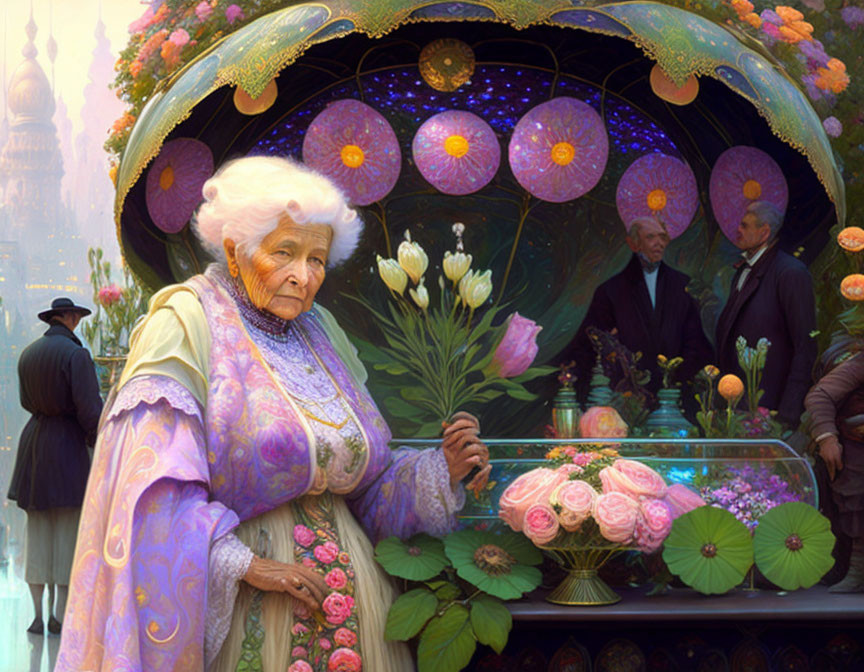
[
  {"x": 179, "y": 37},
  {"x": 142, "y": 23},
  {"x": 109, "y": 295},
  {"x": 833, "y": 127},
  {"x": 518, "y": 348},
  {"x": 233, "y": 13},
  {"x": 203, "y": 10},
  {"x": 853, "y": 16}
]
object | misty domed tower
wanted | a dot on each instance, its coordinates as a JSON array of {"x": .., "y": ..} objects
[{"x": 31, "y": 165}]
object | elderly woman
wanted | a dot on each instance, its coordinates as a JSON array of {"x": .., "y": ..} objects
[{"x": 242, "y": 468}]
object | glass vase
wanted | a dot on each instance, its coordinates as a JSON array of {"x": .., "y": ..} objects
[{"x": 668, "y": 420}]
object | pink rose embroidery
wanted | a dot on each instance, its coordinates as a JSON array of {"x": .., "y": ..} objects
[
  {"x": 336, "y": 579},
  {"x": 303, "y": 535},
  {"x": 301, "y": 611},
  {"x": 541, "y": 524},
  {"x": 310, "y": 563},
  {"x": 337, "y": 607},
  {"x": 299, "y": 629},
  {"x": 345, "y": 637},
  {"x": 299, "y": 652},
  {"x": 300, "y": 666},
  {"x": 325, "y": 644},
  {"x": 326, "y": 552},
  {"x": 344, "y": 660}
]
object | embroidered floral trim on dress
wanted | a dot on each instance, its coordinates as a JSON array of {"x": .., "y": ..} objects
[{"x": 149, "y": 390}]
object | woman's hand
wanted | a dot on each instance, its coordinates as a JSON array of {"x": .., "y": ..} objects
[
  {"x": 831, "y": 453},
  {"x": 464, "y": 450},
  {"x": 301, "y": 582}
]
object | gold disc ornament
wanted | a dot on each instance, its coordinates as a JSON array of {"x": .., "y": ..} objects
[
  {"x": 446, "y": 64},
  {"x": 663, "y": 87},
  {"x": 248, "y": 105}
]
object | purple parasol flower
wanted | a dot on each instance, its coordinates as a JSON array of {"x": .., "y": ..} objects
[
  {"x": 353, "y": 145},
  {"x": 740, "y": 176},
  {"x": 656, "y": 185},
  {"x": 559, "y": 150},
  {"x": 457, "y": 152},
  {"x": 174, "y": 182}
]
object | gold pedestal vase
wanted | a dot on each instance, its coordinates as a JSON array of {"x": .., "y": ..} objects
[{"x": 583, "y": 586}]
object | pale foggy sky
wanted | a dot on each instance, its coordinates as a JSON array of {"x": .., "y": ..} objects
[{"x": 74, "y": 24}]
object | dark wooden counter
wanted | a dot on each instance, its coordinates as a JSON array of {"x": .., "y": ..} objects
[{"x": 815, "y": 604}]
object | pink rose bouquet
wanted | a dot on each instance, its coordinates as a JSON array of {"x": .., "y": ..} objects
[
  {"x": 680, "y": 499},
  {"x": 652, "y": 525},
  {"x": 615, "y": 514},
  {"x": 530, "y": 488},
  {"x": 632, "y": 478},
  {"x": 540, "y": 524},
  {"x": 576, "y": 499}
]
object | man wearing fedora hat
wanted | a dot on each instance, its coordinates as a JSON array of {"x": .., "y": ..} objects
[{"x": 59, "y": 388}]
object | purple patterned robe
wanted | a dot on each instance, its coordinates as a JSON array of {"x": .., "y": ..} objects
[{"x": 168, "y": 480}]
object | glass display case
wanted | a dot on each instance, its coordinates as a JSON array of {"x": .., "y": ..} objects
[{"x": 744, "y": 476}]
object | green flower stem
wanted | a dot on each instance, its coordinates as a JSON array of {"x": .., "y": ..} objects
[{"x": 525, "y": 209}]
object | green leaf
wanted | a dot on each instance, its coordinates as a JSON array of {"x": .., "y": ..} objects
[
  {"x": 402, "y": 409},
  {"x": 414, "y": 393},
  {"x": 521, "y": 394},
  {"x": 534, "y": 372},
  {"x": 428, "y": 430},
  {"x": 409, "y": 614},
  {"x": 419, "y": 558},
  {"x": 447, "y": 591},
  {"x": 487, "y": 395},
  {"x": 447, "y": 643},
  {"x": 491, "y": 621},
  {"x": 392, "y": 368}
]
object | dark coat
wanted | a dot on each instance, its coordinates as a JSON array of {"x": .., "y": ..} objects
[
  {"x": 672, "y": 327},
  {"x": 59, "y": 387},
  {"x": 776, "y": 303}
]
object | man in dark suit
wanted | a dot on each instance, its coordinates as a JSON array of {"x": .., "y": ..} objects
[
  {"x": 771, "y": 297},
  {"x": 648, "y": 304},
  {"x": 59, "y": 388}
]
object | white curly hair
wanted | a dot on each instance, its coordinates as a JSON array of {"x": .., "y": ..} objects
[{"x": 247, "y": 197}]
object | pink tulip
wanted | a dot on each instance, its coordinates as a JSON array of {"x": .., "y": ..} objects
[{"x": 517, "y": 348}]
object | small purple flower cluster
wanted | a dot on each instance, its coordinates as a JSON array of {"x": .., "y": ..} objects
[{"x": 749, "y": 493}]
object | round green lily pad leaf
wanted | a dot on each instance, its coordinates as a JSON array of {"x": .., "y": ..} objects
[
  {"x": 498, "y": 564},
  {"x": 793, "y": 545},
  {"x": 710, "y": 549},
  {"x": 419, "y": 558}
]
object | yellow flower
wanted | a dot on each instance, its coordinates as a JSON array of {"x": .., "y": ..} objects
[
  {"x": 412, "y": 258},
  {"x": 420, "y": 296},
  {"x": 392, "y": 274},
  {"x": 475, "y": 288},
  {"x": 730, "y": 387},
  {"x": 711, "y": 371},
  {"x": 661, "y": 359},
  {"x": 456, "y": 264}
]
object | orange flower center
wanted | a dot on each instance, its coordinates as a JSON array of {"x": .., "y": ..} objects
[
  {"x": 353, "y": 156},
  {"x": 456, "y": 146},
  {"x": 166, "y": 178},
  {"x": 657, "y": 200},
  {"x": 752, "y": 190},
  {"x": 563, "y": 153}
]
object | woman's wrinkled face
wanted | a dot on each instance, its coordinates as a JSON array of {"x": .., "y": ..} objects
[{"x": 284, "y": 273}]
